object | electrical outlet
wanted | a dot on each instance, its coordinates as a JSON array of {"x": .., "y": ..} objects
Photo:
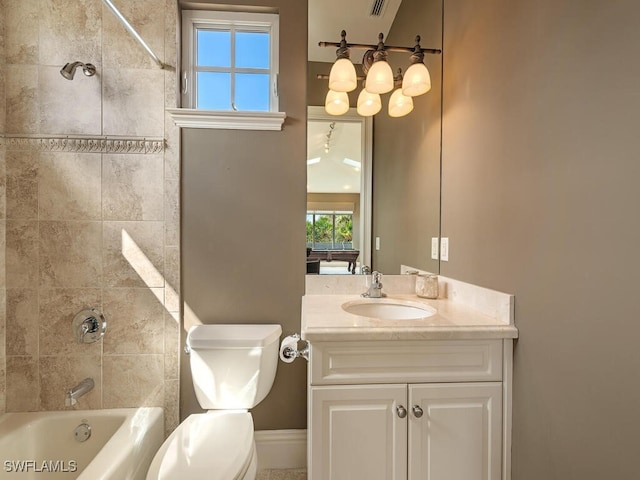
[
  {"x": 434, "y": 248},
  {"x": 444, "y": 249},
  {"x": 377, "y": 243}
]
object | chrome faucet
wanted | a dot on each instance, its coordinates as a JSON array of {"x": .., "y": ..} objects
[
  {"x": 84, "y": 387},
  {"x": 375, "y": 289}
]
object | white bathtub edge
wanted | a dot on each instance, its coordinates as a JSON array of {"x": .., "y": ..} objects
[{"x": 115, "y": 459}]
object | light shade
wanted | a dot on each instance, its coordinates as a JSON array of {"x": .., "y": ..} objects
[
  {"x": 342, "y": 77},
  {"x": 399, "y": 104},
  {"x": 379, "y": 78},
  {"x": 336, "y": 103},
  {"x": 416, "y": 80},
  {"x": 368, "y": 103}
]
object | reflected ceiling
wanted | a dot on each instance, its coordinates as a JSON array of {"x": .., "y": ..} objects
[{"x": 329, "y": 172}]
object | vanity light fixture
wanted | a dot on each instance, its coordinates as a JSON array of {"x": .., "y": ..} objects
[
  {"x": 379, "y": 73},
  {"x": 342, "y": 77},
  {"x": 417, "y": 79},
  {"x": 379, "y": 77}
]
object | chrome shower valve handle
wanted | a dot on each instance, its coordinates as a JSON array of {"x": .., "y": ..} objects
[{"x": 89, "y": 326}]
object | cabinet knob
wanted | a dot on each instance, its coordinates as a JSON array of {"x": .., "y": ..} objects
[
  {"x": 417, "y": 411},
  {"x": 402, "y": 412}
]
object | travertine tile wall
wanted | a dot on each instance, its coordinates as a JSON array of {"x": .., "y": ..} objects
[
  {"x": 2, "y": 212},
  {"x": 88, "y": 227}
]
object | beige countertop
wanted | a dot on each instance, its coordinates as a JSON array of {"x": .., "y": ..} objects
[{"x": 324, "y": 319}]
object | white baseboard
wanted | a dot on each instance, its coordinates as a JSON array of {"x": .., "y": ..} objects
[{"x": 281, "y": 448}]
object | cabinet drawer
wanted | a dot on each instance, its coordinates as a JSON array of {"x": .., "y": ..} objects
[{"x": 335, "y": 363}]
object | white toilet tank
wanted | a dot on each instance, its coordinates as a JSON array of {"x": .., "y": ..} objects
[{"x": 233, "y": 366}]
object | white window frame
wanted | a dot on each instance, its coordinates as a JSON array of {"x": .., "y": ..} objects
[{"x": 188, "y": 116}]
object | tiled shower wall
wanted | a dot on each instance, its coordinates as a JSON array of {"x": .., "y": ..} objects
[{"x": 89, "y": 212}]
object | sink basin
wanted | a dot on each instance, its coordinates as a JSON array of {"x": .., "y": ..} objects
[{"x": 388, "y": 309}]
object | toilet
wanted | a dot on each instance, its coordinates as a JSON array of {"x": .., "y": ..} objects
[{"x": 233, "y": 368}]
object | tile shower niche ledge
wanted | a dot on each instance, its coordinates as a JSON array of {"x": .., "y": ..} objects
[
  {"x": 83, "y": 143},
  {"x": 223, "y": 120}
]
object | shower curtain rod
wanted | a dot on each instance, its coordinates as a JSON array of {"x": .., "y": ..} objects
[{"x": 132, "y": 31}]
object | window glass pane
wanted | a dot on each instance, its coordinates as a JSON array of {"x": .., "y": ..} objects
[
  {"x": 252, "y": 50},
  {"x": 309, "y": 230},
  {"x": 214, "y": 48},
  {"x": 252, "y": 92},
  {"x": 323, "y": 232},
  {"x": 214, "y": 91},
  {"x": 344, "y": 230}
]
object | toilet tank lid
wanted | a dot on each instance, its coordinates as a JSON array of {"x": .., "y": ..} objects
[{"x": 233, "y": 336}]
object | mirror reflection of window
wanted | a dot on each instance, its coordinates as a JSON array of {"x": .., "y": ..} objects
[{"x": 330, "y": 230}]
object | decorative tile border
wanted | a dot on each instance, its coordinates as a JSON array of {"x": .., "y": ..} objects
[{"x": 83, "y": 144}]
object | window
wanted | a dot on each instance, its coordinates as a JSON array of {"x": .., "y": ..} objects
[
  {"x": 230, "y": 61},
  {"x": 330, "y": 230}
]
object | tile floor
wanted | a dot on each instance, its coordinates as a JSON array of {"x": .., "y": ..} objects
[{"x": 292, "y": 474}]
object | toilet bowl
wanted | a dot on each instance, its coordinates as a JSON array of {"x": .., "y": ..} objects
[{"x": 233, "y": 368}]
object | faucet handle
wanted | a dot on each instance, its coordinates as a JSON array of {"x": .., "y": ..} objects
[
  {"x": 89, "y": 326},
  {"x": 376, "y": 277}
]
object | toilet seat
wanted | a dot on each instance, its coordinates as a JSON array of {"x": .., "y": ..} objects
[{"x": 217, "y": 445}]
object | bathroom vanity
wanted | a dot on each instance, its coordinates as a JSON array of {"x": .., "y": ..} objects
[{"x": 408, "y": 388}]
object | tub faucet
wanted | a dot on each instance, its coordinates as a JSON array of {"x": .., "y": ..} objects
[
  {"x": 84, "y": 387},
  {"x": 375, "y": 289}
]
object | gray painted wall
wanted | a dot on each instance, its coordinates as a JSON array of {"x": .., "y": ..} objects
[
  {"x": 540, "y": 199},
  {"x": 243, "y": 217}
]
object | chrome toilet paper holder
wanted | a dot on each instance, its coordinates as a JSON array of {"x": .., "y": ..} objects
[{"x": 291, "y": 353}]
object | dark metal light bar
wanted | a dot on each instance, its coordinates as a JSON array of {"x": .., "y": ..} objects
[{"x": 388, "y": 48}]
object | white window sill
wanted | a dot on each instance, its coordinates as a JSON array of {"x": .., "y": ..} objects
[{"x": 222, "y": 120}]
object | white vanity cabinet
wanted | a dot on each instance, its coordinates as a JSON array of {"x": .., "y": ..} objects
[{"x": 405, "y": 409}]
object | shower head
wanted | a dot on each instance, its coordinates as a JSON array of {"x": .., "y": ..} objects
[{"x": 69, "y": 70}]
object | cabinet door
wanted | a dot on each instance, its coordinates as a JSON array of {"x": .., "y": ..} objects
[
  {"x": 459, "y": 434},
  {"x": 356, "y": 433}
]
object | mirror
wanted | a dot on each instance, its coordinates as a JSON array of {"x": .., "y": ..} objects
[
  {"x": 338, "y": 191},
  {"x": 396, "y": 213}
]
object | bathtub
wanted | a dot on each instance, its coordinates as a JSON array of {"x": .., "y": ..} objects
[{"x": 44, "y": 445}]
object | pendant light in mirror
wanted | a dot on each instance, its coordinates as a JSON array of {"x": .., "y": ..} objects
[
  {"x": 336, "y": 103},
  {"x": 399, "y": 103},
  {"x": 368, "y": 103}
]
